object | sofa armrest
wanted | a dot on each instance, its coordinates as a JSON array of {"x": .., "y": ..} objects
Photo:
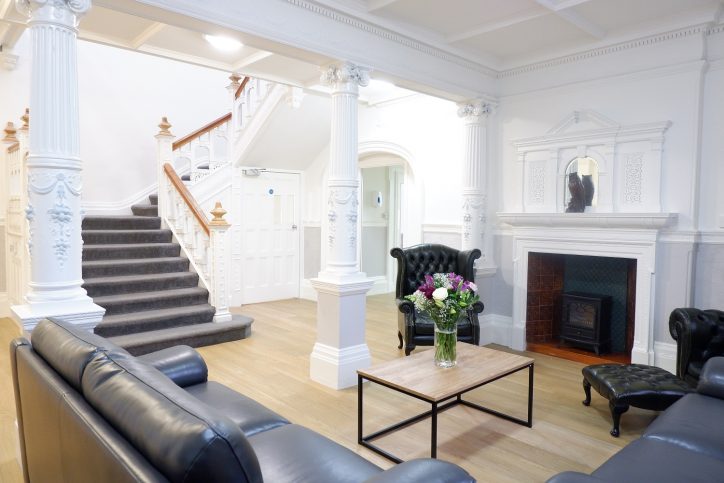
[
  {"x": 693, "y": 329},
  {"x": 182, "y": 364},
  {"x": 573, "y": 477},
  {"x": 711, "y": 381},
  {"x": 424, "y": 469}
]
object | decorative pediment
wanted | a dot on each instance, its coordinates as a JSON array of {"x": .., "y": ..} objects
[{"x": 583, "y": 120}]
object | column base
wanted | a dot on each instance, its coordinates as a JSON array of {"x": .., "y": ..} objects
[
  {"x": 340, "y": 348},
  {"x": 83, "y": 314},
  {"x": 337, "y": 368}
]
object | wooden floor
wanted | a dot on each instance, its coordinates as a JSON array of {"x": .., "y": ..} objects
[{"x": 273, "y": 367}]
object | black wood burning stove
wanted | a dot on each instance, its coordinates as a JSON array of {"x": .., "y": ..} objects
[{"x": 586, "y": 320}]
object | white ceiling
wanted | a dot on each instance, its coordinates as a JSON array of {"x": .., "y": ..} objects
[{"x": 498, "y": 34}]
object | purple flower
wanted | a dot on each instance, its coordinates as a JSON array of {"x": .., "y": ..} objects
[
  {"x": 455, "y": 280},
  {"x": 428, "y": 287}
]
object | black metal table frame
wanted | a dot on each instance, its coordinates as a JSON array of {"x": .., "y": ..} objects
[{"x": 437, "y": 407}]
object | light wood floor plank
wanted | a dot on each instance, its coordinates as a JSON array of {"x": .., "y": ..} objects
[{"x": 273, "y": 367}]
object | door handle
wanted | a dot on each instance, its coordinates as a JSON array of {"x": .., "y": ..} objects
[{"x": 294, "y": 227}]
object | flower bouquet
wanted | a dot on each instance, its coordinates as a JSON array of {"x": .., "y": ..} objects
[{"x": 445, "y": 297}]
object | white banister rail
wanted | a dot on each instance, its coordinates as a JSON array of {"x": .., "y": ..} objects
[
  {"x": 17, "y": 257},
  {"x": 203, "y": 241}
]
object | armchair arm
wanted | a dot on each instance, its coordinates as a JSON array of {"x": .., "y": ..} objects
[
  {"x": 711, "y": 382},
  {"x": 427, "y": 470},
  {"x": 692, "y": 329},
  {"x": 182, "y": 364},
  {"x": 477, "y": 307},
  {"x": 466, "y": 263},
  {"x": 405, "y": 306}
]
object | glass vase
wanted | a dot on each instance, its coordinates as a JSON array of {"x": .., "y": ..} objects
[{"x": 446, "y": 339}]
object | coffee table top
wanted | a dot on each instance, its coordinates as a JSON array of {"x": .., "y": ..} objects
[{"x": 417, "y": 374}]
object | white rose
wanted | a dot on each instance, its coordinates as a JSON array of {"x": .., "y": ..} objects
[{"x": 440, "y": 294}]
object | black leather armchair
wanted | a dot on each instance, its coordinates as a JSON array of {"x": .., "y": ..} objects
[
  {"x": 699, "y": 336},
  {"x": 413, "y": 263}
]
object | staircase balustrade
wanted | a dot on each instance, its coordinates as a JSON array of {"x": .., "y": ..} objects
[
  {"x": 17, "y": 257},
  {"x": 204, "y": 242}
]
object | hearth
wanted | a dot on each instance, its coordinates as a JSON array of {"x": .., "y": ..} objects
[{"x": 586, "y": 320}]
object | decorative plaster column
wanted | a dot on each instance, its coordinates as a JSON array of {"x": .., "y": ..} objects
[
  {"x": 54, "y": 169},
  {"x": 474, "y": 207},
  {"x": 341, "y": 288}
]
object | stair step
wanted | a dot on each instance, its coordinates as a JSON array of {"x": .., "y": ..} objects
[
  {"x": 186, "y": 177},
  {"x": 145, "y": 210},
  {"x": 153, "y": 199},
  {"x": 198, "y": 335},
  {"x": 203, "y": 166},
  {"x": 100, "y": 237},
  {"x": 130, "y": 250},
  {"x": 151, "y": 320},
  {"x": 106, "y": 268},
  {"x": 162, "y": 299},
  {"x": 121, "y": 223},
  {"x": 103, "y": 286}
]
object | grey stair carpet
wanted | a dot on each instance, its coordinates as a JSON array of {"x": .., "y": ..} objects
[
  {"x": 187, "y": 177},
  {"x": 133, "y": 269}
]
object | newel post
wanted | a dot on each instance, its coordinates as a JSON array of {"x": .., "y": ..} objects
[
  {"x": 164, "y": 140},
  {"x": 219, "y": 271}
]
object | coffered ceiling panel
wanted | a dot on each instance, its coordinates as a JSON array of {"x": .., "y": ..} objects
[
  {"x": 452, "y": 16},
  {"x": 114, "y": 25},
  {"x": 614, "y": 15},
  {"x": 194, "y": 44},
  {"x": 528, "y": 38}
]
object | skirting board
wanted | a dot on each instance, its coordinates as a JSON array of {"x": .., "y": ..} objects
[
  {"x": 122, "y": 207},
  {"x": 307, "y": 292}
]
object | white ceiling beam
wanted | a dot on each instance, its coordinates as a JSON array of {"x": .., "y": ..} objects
[
  {"x": 147, "y": 34},
  {"x": 561, "y": 10},
  {"x": 6, "y": 6},
  {"x": 493, "y": 26},
  {"x": 373, "y": 5},
  {"x": 252, "y": 59}
]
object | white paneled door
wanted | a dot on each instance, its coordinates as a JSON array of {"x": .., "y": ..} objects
[{"x": 270, "y": 236}]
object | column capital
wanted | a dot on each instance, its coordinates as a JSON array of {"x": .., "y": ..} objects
[
  {"x": 59, "y": 12},
  {"x": 345, "y": 73},
  {"x": 475, "y": 109}
]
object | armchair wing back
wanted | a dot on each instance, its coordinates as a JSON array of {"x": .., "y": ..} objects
[
  {"x": 413, "y": 263},
  {"x": 699, "y": 336}
]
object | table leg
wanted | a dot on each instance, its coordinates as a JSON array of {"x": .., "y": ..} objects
[
  {"x": 530, "y": 396},
  {"x": 433, "y": 439},
  {"x": 359, "y": 408}
]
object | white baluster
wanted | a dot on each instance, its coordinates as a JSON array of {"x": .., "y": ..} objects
[{"x": 218, "y": 271}]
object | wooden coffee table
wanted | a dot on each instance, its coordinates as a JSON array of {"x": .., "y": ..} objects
[{"x": 419, "y": 377}]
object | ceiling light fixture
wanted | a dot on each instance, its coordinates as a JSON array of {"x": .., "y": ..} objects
[{"x": 223, "y": 43}]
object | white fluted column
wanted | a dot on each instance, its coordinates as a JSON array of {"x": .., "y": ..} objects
[
  {"x": 54, "y": 169},
  {"x": 474, "y": 206},
  {"x": 341, "y": 288}
]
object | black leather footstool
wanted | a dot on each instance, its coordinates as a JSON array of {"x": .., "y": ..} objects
[{"x": 636, "y": 385}]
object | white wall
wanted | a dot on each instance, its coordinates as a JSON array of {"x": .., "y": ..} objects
[{"x": 123, "y": 95}]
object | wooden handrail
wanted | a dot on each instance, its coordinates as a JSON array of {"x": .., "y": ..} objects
[
  {"x": 13, "y": 147},
  {"x": 201, "y": 131},
  {"x": 187, "y": 197},
  {"x": 241, "y": 87}
]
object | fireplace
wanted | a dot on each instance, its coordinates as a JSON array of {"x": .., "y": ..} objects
[{"x": 586, "y": 320}]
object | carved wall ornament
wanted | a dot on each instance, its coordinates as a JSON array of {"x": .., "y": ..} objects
[
  {"x": 341, "y": 201},
  {"x": 536, "y": 185},
  {"x": 633, "y": 174},
  {"x": 473, "y": 208},
  {"x": 30, "y": 216},
  {"x": 344, "y": 73}
]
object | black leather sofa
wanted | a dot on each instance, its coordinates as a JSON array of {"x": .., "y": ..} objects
[
  {"x": 685, "y": 443},
  {"x": 90, "y": 412}
]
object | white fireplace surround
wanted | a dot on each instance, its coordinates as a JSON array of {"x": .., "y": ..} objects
[{"x": 619, "y": 235}]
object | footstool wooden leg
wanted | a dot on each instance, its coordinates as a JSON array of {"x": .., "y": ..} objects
[
  {"x": 616, "y": 412},
  {"x": 587, "y": 390},
  {"x": 399, "y": 336}
]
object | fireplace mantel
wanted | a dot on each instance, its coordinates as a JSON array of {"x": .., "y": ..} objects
[{"x": 651, "y": 221}]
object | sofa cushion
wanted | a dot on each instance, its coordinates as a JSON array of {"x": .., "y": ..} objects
[
  {"x": 182, "y": 437},
  {"x": 695, "y": 422},
  {"x": 292, "y": 453},
  {"x": 67, "y": 349},
  {"x": 657, "y": 461},
  {"x": 249, "y": 415}
]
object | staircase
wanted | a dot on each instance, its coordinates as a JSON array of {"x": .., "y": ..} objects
[{"x": 134, "y": 270}]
